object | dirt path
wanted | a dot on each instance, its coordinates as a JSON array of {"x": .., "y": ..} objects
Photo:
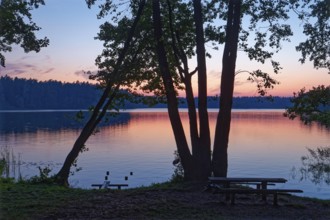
[{"x": 187, "y": 204}]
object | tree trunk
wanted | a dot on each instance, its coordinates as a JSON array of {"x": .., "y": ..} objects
[
  {"x": 220, "y": 155},
  {"x": 103, "y": 104},
  {"x": 63, "y": 175},
  {"x": 172, "y": 102},
  {"x": 202, "y": 154},
  {"x": 199, "y": 161}
]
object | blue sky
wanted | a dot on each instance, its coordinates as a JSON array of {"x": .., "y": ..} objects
[{"x": 71, "y": 28}]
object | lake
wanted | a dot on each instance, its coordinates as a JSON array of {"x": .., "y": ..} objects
[{"x": 262, "y": 143}]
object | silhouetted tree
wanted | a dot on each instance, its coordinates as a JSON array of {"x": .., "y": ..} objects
[
  {"x": 312, "y": 105},
  {"x": 176, "y": 39},
  {"x": 104, "y": 103},
  {"x": 17, "y": 27}
]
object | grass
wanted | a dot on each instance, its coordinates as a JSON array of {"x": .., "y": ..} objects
[{"x": 25, "y": 200}]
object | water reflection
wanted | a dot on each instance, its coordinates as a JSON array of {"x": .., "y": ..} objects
[
  {"x": 316, "y": 166},
  {"x": 262, "y": 143},
  {"x": 22, "y": 122}
]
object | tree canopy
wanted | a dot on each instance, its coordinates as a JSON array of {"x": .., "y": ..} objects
[
  {"x": 316, "y": 47},
  {"x": 312, "y": 105},
  {"x": 17, "y": 27},
  {"x": 166, "y": 42},
  {"x": 152, "y": 54}
]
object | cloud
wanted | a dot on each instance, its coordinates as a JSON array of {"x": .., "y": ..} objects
[
  {"x": 238, "y": 93},
  {"x": 48, "y": 70},
  {"x": 214, "y": 73},
  {"x": 242, "y": 79},
  {"x": 240, "y": 83},
  {"x": 47, "y": 58},
  {"x": 85, "y": 73},
  {"x": 214, "y": 82},
  {"x": 14, "y": 69},
  {"x": 24, "y": 58},
  {"x": 214, "y": 91},
  {"x": 28, "y": 65},
  {"x": 20, "y": 68}
]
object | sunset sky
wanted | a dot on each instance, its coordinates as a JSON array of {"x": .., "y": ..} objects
[{"x": 71, "y": 28}]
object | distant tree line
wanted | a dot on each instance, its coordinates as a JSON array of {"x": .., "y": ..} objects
[
  {"x": 22, "y": 94},
  {"x": 17, "y": 93},
  {"x": 26, "y": 122}
]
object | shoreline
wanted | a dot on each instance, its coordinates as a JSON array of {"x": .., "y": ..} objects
[{"x": 160, "y": 201}]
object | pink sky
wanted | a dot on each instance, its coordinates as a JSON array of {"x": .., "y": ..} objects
[{"x": 71, "y": 28}]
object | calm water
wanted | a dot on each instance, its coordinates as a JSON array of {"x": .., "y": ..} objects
[{"x": 262, "y": 143}]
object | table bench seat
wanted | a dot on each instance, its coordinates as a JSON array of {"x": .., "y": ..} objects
[
  {"x": 246, "y": 180},
  {"x": 275, "y": 192},
  {"x": 106, "y": 186},
  {"x": 229, "y": 186},
  {"x": 258, "y": 185}
]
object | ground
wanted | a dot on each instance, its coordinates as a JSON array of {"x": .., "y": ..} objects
[{"x": 185, "y": 203}]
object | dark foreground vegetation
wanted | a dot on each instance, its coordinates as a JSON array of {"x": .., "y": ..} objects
[{"x": 160, "y": 201}]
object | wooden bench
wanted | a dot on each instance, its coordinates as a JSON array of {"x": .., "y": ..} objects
[
  {"x": 275, "y": 192},
  {"x": 258, "y": 185},
  {"x": 263, "y": 182},
  {"x": 228, "y": 186},
  {"x": 107, "y": 185},
  {"x": 228, "y": 182}
]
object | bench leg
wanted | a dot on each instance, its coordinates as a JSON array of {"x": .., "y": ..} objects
[
  {"x": 227, "y": 196},
  {"x": 264, "y": 186},
  {"x": 232, "y": 201},
  {"x": 275, "y": 199},
  {"x": 227, "y": 185}
]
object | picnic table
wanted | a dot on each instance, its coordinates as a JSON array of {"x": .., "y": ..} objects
[
  {"x": 107, "y": 185},
  {"x": 261, "y": 183},
  {"x": 228, "y": 185}
]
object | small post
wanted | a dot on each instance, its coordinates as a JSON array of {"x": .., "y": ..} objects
[
  {"x": 232, "y": 198},
  {"x": 275, "y": 199},
  {"x": 126, "y": 177},
  {"x": 264, "y": 187},
  {"x": 131, "y": 173}
]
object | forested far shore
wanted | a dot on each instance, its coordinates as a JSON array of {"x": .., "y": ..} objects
[{"x": 31, "y": 94}]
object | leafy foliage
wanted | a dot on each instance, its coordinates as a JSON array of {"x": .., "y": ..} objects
[
  {"x": 178, "y": 39},
  {"x": 140, "y": 72},
  {"x": 316, "y": 165},
  {"x": 43, "y": 178},
  {"x": 3, "y": 164},
  {"x": 178, "y": 174},
  {"x": 266, "y": 29},
  {"x": 262, "y": 79},
  {"x": 316, "y": 16},
  {"x": 261, "y": 37},
  {"x": 17, "y": 27},
  {"x": 313, "y": 105},
  {"x": 105, "y": 102}
]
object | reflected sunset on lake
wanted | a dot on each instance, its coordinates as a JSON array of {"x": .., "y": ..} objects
[{"x": 262, "y": 143}]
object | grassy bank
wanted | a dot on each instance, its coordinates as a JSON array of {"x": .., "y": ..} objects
[
  {"x": 26, "y": 201},
  {"x": 162, "y": 201}
]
